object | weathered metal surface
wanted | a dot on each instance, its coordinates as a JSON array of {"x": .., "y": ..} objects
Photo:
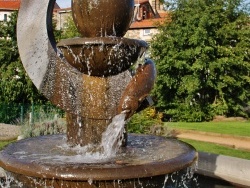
[
  {"x": 138, "y": 88},
  {"x": 101, "y": 18},
  {"x": 102, "y": 56},
  {"x": 145, "y": 156}
]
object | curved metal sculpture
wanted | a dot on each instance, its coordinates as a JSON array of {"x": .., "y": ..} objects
[{"x": 41, "y": 59}]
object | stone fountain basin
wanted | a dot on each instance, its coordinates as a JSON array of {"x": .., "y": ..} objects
[
  {"x": 48, "y": 157},
  {"x": 102, "y": 56}
]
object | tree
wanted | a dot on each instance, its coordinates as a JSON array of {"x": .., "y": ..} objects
[
  {"x": 15, "y": 86},
  {"x": 70, "y": 31},
  {"x": 203, "y": 60}
]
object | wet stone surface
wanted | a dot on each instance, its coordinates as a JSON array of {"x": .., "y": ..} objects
[{"x": 144, "y": 154}]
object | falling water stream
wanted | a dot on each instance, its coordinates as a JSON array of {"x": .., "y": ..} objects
[
  {"x": 179, "y": 179},
  {"x": 109, "y": 146},
  {"x": 112, "y": 138},
  {"x": 111, "y": 142}
]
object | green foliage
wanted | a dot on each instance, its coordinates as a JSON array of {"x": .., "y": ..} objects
[
  {"x": 145, "y": 121},
  {"x": 71, "y": 30},
  {"x": 190, "y": 113},
  {"x": 3, "y": 144},
  {"x": 203, "y": 60},
  {"x": 47, "y": 127},
  {"x": 9, "y": 113},
  {"x": 15, "y": 86},
  {"x": 14, "y": 113},
  {"x": 46, "y": 120}
]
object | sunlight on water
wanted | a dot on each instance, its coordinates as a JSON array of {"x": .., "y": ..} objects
[
  {"x": 113, "y": 136},
  {"x": 10, "y": 182},
  {"x": 110, "y": 144}
]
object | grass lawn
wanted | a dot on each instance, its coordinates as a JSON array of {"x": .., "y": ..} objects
[
  {"x": 236, "y": 128},
  {"x": 232, "y": 128},
  {"x": 218, "y": 149},
  {"x": 5, "y": 143}
]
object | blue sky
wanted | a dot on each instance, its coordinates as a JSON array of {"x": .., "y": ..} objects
[
  {"x": 67, "y": 3},
  {"x": 64, "y": 3}
]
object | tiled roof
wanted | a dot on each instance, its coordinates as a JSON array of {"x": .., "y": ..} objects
[
  {"x": 147, "y": 23},
  {"x": 65, "y": 9},
  {"x": 10, "y": 4},
  {"x": 14, "y": 5},
  {"x": 56, "y": 6},
  {"x": 164, "y": 14},
  {"x": 151, "y": 23}
]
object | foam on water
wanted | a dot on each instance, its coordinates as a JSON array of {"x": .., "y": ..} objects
[
  {"x": 62, "y": 152},
  {"x": 110, "y": 144}
]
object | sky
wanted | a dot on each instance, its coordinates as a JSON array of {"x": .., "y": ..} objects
[
  {"x": 64, "y": 3},
  {"x": 67, "y": 3}
]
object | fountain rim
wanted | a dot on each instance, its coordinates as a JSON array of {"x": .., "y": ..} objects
[
  {"x": 84, "y": 173},
  {"x": 102, "y": 41}
]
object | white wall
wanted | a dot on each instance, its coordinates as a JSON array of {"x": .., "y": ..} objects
[
  {"x": 142, "y": 34},
  {"x": 3, "y": 13}
]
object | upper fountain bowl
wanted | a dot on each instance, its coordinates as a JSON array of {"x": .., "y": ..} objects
[
  {"x": 100, "y": 18},
  {"x": 102, "y": 56}
]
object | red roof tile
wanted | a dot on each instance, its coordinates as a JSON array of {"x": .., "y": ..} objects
[
  {"x": 148, "y": 23},
  {"x": 164, "y": 14},
  {"x": 10, "y": 4},
  {"x": 15, "y": 4}
]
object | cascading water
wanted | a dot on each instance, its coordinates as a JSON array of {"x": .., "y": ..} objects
[
  {"x": 182, "y": 179},
  {"x": 110, "y": 144},
  {"x": 91, "y": 81},
  {"x": 112, "y": 138}
]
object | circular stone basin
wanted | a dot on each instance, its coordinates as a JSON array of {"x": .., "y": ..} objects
[
  {"x": 102, "y": 56},
  {"x": 49, "y": 157}
]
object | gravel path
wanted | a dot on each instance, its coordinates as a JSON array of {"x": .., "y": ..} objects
[{"x": 237, "y": 142}]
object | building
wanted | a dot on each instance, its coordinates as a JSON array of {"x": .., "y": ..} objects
[
  {"x": 8, "y": 6},
  {"x": 61, "y": 18},
  {"x": 147, "y": 17}
]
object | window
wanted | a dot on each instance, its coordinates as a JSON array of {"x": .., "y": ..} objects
[
  {"x": 146, "y": 32},
  {"x": 5, "y": 17}
]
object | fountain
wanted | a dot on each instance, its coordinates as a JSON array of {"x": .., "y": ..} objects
[{"x": 89, "y": 78}]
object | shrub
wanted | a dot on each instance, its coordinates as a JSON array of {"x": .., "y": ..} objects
[
  {"x": 148, "y": 121},
  {"x": 46, "y": 122}
]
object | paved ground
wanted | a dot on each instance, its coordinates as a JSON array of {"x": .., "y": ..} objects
[
  {"x": 227, "y": 140},
  {"x": 9, "y": 132}
]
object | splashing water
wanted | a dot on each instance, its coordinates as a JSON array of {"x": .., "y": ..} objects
[
  {"x": 113, "y": 136},
  {"x": 10, "y": 182},
  {"x": 111, "y": 141}
]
